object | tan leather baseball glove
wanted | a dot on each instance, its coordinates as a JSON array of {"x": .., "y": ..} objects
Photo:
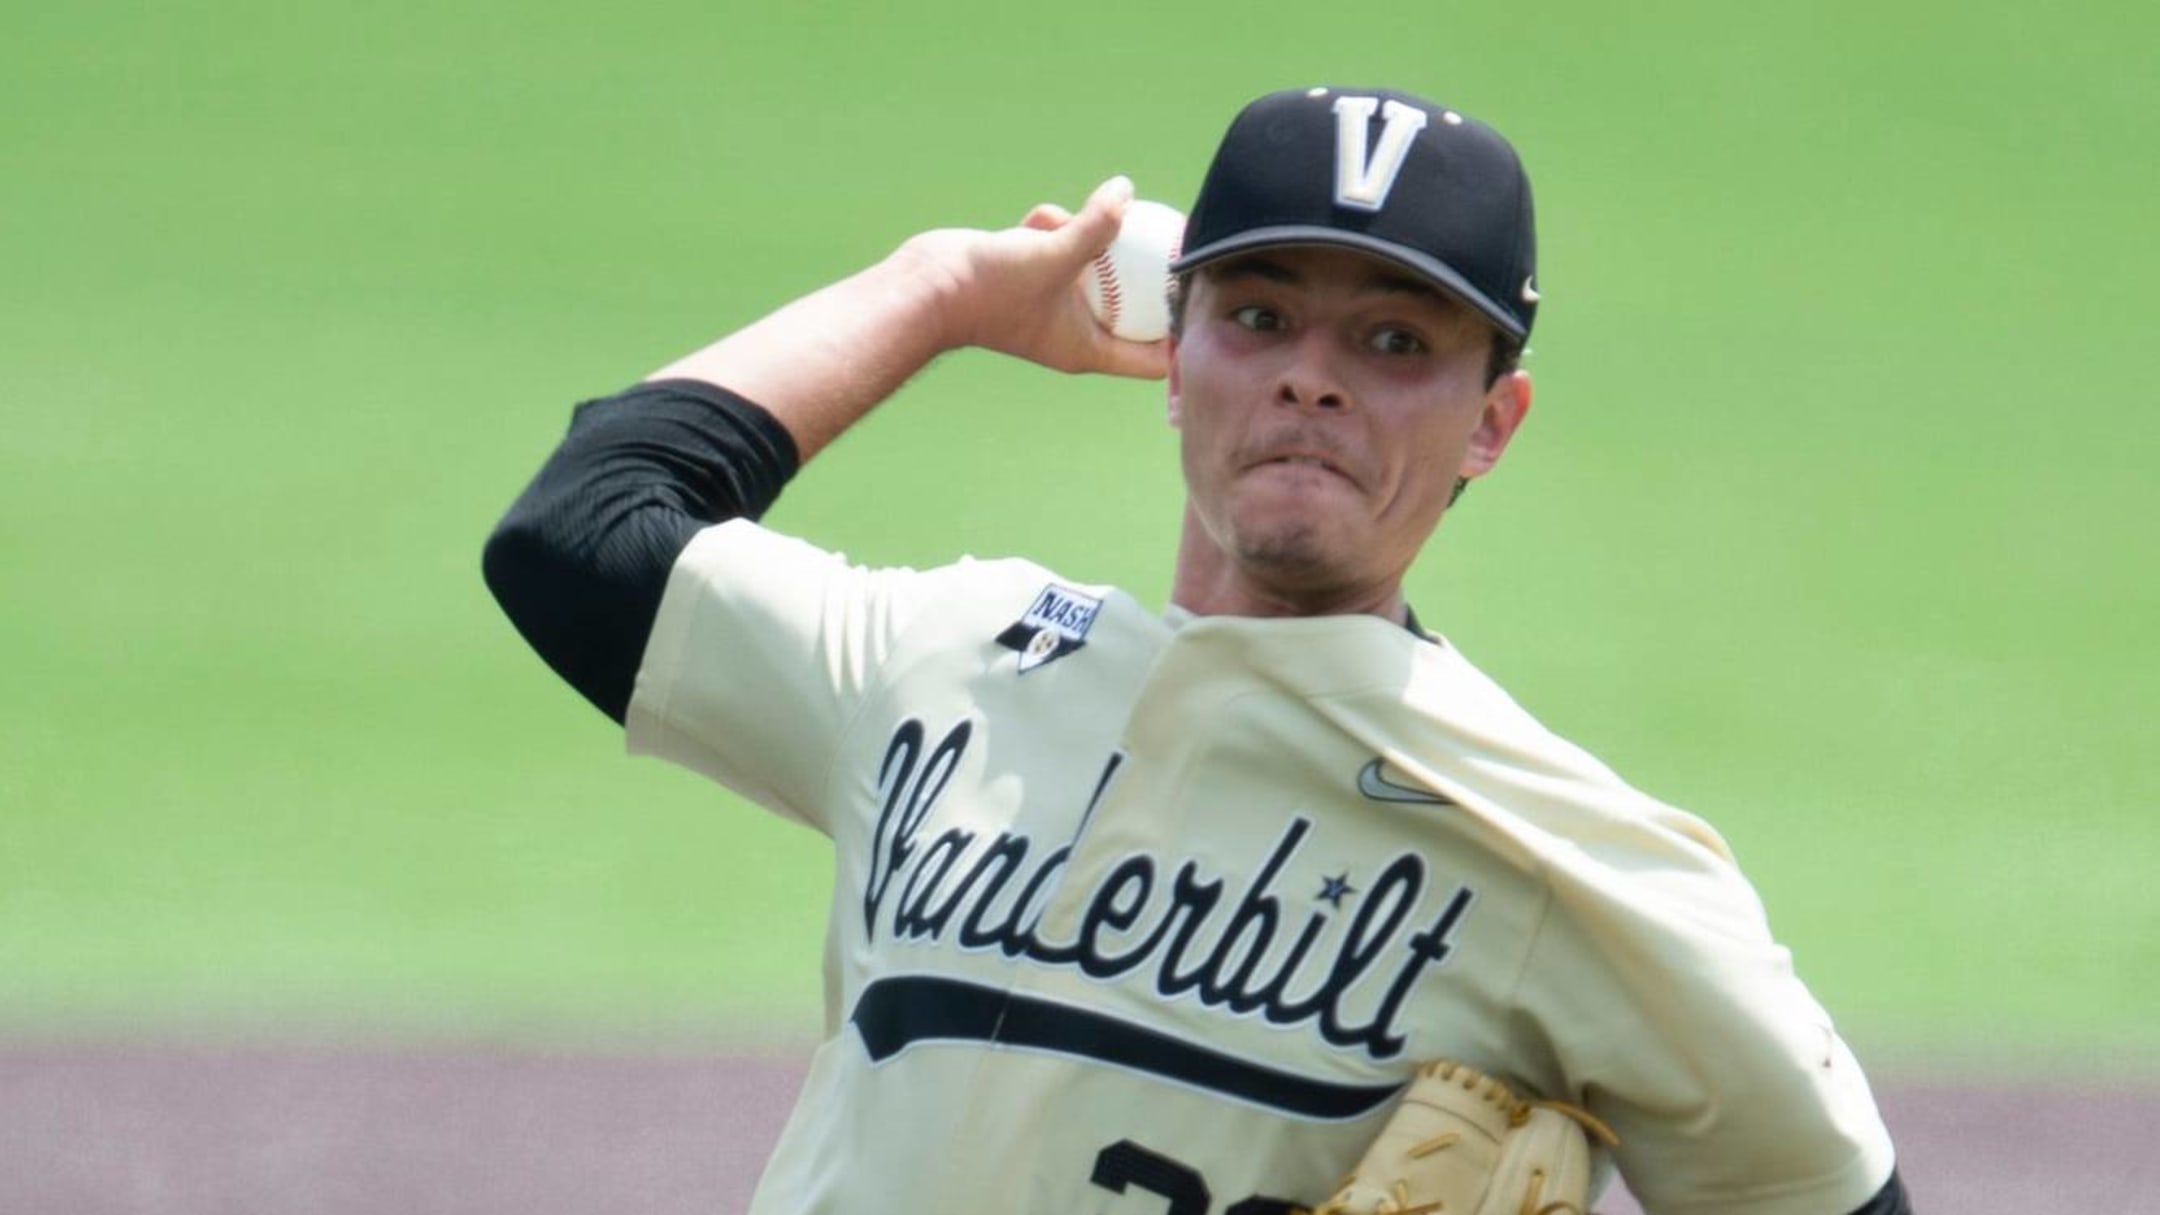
[{"x": 1462, "y": 1143}]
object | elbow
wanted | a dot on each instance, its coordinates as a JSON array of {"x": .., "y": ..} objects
[
  {"x": 573, "y": 616},
  {"x": 512, "y": 562}
]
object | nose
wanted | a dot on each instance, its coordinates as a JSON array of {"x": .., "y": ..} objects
[{"x": 1308, "y": 380}]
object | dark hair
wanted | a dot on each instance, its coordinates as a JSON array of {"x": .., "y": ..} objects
[{"x": 1504, "y": 356}]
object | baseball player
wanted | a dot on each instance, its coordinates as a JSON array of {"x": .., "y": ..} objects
[{"x": 1149, "y": 908}]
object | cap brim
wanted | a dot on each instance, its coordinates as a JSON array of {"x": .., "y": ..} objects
[{"x": 1423, "y": 265}]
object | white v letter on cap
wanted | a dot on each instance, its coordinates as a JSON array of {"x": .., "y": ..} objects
[
  {"x": 1363, "y": 182},
  {"x": 1397, "y": 176}
]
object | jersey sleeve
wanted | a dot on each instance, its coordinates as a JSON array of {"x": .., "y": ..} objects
[
  {"x": 762, "y": 651},
  {"x": 1682, "y": 1023}
]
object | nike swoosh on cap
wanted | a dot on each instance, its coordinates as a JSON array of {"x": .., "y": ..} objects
[{"x": 1373, "y": 783}]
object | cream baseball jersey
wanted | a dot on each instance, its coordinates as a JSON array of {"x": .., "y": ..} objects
[{"x": 1145, "y": 912}]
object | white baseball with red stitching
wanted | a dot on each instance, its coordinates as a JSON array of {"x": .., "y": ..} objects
[{"x": 1128, "y": 286}]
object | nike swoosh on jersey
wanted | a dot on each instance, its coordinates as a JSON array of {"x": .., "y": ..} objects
[
  {"x": 1373, "y": 783},
  {"x": 895, "y": 1013}
]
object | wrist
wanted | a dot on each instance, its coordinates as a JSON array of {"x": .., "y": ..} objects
[{"x": 931, "y": 272}]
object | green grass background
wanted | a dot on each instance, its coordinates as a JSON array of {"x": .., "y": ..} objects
[{"x": 1834, "y": 521}]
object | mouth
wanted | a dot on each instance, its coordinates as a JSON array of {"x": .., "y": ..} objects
[{"x": 1302, "y": 460}]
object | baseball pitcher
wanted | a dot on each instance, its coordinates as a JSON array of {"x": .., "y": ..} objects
[{"x": 1260, "y": 901}]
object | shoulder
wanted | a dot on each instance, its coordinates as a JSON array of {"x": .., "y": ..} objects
[
  {"x": 745, "y": 549},
  {"x": 1589, "y": 817},
  {"x": 1447, "y": 686},
  {"x": 742, "y": 562}
]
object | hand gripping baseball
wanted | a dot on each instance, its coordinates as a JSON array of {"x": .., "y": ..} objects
[
  {"x": 1017, "y": 291},
  {"x": 1462, "y": 1143}
]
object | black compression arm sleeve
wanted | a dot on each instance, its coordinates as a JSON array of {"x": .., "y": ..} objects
[
  {"x": 1889, "y": 1200},
  {"x": 582, "y": 558}
]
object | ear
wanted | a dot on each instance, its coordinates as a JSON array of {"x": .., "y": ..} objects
[
  {"x": 1507, "y": 402},
  {"x": 1177, "y": 415}
]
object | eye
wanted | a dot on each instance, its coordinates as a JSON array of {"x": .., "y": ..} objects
[
  {"x": 1258, "y": 317},
  {"x": 1389, "y": 339}
]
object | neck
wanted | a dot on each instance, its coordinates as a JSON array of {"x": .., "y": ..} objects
[{"x": 1211, "y": 582}]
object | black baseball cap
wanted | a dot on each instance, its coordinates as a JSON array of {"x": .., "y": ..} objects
[{"x": 1437, "y": 192}]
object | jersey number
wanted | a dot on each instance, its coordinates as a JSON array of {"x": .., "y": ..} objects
[{"x": 1126, "y": 1163}]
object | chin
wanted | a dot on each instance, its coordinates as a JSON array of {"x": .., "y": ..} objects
[{"x": 1296, "y": 554}]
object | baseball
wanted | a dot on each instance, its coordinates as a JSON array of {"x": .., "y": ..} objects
[{"x": 1128, "y": 287}]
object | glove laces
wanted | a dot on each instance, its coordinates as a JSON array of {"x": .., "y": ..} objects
[{"x": 1516, "y": 1109}]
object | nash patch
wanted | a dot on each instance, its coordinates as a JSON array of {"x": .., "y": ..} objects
[{"x": 1055, "y": 625}]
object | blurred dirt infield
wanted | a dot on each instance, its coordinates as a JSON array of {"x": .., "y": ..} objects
[{"x": 90, "y": 1130}]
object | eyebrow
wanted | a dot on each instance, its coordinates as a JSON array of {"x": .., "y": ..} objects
[{"x": 1268, "y": 269}]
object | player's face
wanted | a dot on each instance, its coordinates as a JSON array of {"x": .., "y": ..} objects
[{"x": 1328, "y": 402}]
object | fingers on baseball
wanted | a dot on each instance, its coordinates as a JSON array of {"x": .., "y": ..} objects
[
  {"x": 1047, "y": 217},
  {"x": 1114, "y": 193},
  {"x": 1139, "y": 360},
  {"x": 1096, "y": 225}
]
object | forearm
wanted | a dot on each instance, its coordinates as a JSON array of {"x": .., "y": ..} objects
[
  {"x": 822, "y": 362},
  {"x": 581, "y": 560}
]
